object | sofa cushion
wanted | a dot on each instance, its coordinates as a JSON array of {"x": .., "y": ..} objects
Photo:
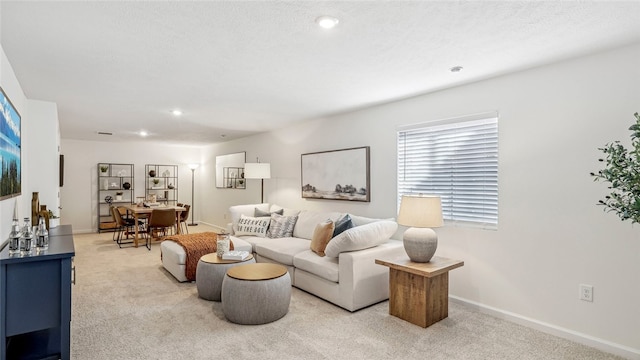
[
  {"x": 252, "y": 226},
  {"x": 281, "y": 226},
  {"x": 324, "y": 267},
  {"x": 259, "y": 213},
  {"x": 248, "y": 210},
  {"x": 282, "y": 250},
  {"x": 307, "y": 221},
  {"x": 252, "y": 241},
  {"x": 361, "y": 237},
  {"x": 321, "y": 236},
  {"x": 343, "y": 223}
]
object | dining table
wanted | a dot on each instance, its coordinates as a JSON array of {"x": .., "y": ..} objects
[{"x": 140, "y": 211}]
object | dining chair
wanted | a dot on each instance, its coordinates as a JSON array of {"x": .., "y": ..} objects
[
  {"x": 124, "y": 226},
  {"x": 161, "y": 221},
  {"x": 183, "y": 218}
]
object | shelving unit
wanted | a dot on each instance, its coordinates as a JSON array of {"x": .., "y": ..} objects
[
  {"x": 118, "y": 178},
  {"x": 163, "y": 184}
]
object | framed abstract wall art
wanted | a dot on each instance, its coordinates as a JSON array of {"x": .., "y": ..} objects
[
  {"x": 337, "y": 174},
  {"x": 10, "y": 149}
]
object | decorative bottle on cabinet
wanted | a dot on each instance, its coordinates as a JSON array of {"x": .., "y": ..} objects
[{"x": 35, "y": 207}]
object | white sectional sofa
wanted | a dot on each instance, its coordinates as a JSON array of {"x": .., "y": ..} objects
[{"x": 347, "y": 276}]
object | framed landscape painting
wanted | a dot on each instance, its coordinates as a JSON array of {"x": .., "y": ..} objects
[
  {"x": 337, "y": 175},
  {"x": 10, "y": 148}
]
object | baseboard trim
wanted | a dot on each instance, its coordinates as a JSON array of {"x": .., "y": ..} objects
[{"x": 588, "y": 340}]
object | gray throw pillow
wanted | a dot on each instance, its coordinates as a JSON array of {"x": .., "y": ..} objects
[
  {"x": 342, "y": 224},
  {"x": 260, "y": 213}
]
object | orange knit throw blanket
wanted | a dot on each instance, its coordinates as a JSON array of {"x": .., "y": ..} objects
[{"x": 196, "y": 245}]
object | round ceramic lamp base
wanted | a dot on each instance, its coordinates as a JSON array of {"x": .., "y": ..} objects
[{"x": 420, "y": 244}]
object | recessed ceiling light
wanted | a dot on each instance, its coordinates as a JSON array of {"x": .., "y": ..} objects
[
  {"x": 143, "y": 133},
  {"x": 456, "y": 69},
  {"x": 327, "y": 22},
  {"x": 176, "y": 112}
]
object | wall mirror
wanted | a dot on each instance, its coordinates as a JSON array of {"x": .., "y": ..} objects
[{"x": 230, "y": 171}]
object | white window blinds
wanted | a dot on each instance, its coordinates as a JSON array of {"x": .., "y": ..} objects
[{"x": 457, "y": 160}]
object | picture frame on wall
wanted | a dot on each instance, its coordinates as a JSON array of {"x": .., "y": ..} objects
[
  {"x": 10, "y": 148},
  {"x": 337, "y": 175}
]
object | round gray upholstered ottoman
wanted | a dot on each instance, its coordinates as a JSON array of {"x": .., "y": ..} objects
[
  {"x": 210, "y": 273},
  {"x": 256, "y": 293}
]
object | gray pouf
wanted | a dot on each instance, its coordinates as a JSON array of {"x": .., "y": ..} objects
[
  {"x": 210, "y": 273},
  {"x": 256, "y": 293}
]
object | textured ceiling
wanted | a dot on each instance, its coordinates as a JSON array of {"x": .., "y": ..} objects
[{"x": 239, "y": 67}]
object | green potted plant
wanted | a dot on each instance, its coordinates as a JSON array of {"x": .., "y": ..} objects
[
  {"x": 104, "y": 169},
  {"x": 622, "y": 172},
  {"x": 54, "y": 220}
]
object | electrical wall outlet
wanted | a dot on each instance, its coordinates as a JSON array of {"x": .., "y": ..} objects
[{"x": 586, "y": 292}]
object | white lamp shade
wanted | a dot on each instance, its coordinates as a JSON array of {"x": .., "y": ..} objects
[
  {"x": 193, "y": 166},
  {"x": 257, "y": 171},
  {"x": 420, "y": 211}
]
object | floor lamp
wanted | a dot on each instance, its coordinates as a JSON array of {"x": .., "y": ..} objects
[
  {"x": 193, "y": 168},
  {"x": 260, "y": 171}
]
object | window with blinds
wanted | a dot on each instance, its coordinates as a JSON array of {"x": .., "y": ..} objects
[{"x": 456, "y": 159}]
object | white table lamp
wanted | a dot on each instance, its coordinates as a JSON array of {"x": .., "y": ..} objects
[{"x": 420, "y": 213}]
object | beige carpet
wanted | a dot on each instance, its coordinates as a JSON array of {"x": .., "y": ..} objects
[{"x": 126, "y": 306}]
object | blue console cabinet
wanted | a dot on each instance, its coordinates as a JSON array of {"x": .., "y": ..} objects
[{"x": 35, "y": 300}]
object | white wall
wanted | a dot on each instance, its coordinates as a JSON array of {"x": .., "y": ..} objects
[
  {"x": 39, "y": 171},
  {"x": 79, "y": 200},
  {"x": 551, "y": 236},
  {"x": 43, "y": 165}
]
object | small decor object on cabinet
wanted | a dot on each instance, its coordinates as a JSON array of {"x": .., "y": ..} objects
[
  {"x": 27, "y": 238},
  {"x": 119, "y": 195},
  {"x": 35, "y": 207},
  {"x": 152, "y": 173},
  {"x": 126, "y": 186},
  {"x": 108, "y": 199},
  {"x": 14, "y": 237},
  {"x": 104, "y": 169}
]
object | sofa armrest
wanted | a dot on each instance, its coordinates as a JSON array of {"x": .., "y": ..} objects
[{"x": 361, "y": 277}]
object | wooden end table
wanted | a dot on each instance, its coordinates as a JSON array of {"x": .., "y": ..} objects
[{"x": 419, "y": 292}]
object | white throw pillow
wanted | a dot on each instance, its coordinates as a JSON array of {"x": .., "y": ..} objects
[
  {"x": 255, "y": 226},
  {"x": 361, "y": 237},
  {"x": 247, "y": 210}
]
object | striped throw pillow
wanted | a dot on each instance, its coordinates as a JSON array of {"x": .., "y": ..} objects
[{"x": 281, "y": 226}]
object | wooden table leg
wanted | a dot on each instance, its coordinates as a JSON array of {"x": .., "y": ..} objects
[
  {"x": 417, "y": 299},
  {"x": 178, "y": 212}
]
